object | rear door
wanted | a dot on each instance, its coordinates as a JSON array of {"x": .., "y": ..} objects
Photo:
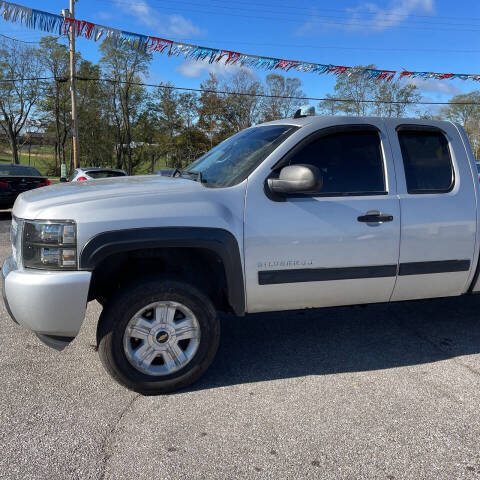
[{"x": 436, "y": 189}]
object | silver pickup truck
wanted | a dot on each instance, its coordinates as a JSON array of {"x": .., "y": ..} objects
[{"x": 300, "y": 213}]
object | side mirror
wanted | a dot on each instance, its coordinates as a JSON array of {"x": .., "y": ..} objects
[
  {"x": 63, "y": 179},
  {"x": 296, "y": 179}
]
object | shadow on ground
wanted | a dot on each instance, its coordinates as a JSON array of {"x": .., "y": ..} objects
[{"x": 348, "y": 339}]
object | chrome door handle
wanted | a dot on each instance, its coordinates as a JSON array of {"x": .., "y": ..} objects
[{"x": 375, "y": 218}]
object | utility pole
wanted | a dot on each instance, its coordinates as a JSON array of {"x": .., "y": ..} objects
[{"x": 71, "y": 14}]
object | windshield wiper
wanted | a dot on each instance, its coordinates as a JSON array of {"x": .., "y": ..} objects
[{"x": 197, "y": 176}]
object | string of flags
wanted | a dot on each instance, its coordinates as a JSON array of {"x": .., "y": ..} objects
[{"x": 52, "y": 23}]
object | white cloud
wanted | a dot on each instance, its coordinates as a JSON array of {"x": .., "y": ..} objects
[
  {"x": 369, "y": 16},
  {"x": 163, "y": 25},
  {"x": 435, "y": 86},
  {"x": 195, "y": 69},
  {"x": 398, "y": 12}
]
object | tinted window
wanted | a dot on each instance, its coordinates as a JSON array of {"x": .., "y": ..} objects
[
  {"x": 350, "y": 162},
  {"x": 427, "y": 161},
  {"x": 19, "y": 170},
  {"x": 104, "y": 174}
]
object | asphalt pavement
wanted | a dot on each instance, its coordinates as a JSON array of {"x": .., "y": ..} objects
[{"x": 387, "y": 392}]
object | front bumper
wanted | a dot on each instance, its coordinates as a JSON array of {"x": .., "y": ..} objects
[{"x": 49, "y": 303}]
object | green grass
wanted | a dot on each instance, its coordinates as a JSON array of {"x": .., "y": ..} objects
[{"x": 42, "y": 158}]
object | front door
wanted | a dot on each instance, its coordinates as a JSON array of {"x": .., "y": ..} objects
[{"x": 337, "y": 246}]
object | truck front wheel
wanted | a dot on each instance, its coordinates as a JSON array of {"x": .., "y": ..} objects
[{"x": 158, "y": 336}]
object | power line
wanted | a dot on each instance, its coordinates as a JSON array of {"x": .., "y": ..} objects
[
  {"x": 265, "y": 95},
  {"x": 313, "y": 12},
  {"x": 327, "y": 23},
  {"x": 25, "y": 41},
  {"x": 15, "y": 39},
  {"x": 31, "y": 79},
  {"x": 226, "y": 92},
  {"x": 255, "y": 5}
]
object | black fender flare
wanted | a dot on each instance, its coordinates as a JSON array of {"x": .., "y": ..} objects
[{"x": 220, "y": 241}]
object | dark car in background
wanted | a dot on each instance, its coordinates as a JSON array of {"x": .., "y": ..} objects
[{"x": 16, "y": 179}]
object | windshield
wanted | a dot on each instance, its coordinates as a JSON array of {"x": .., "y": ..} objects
[
  {"x": 19, "y": 171},
  {"x": 233, "y": 160}
]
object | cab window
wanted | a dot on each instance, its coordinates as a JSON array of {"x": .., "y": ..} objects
[
  {"x": 351, "y": 162},
  {"x": 427, "y": 161}
]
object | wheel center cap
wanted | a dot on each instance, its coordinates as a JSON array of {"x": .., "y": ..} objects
[{"x": 162, "y": 336}]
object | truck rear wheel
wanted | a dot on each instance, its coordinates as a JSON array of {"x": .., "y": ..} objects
[{"x": 158, "y": 336}]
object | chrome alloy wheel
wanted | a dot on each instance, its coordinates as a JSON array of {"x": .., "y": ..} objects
[{"x": 161, "y": 338}]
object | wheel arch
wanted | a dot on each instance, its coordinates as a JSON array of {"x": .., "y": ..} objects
[{"x": 219, "y": 241}]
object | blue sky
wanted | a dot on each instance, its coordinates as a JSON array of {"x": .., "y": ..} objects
[{"x": 432, "y": 35}]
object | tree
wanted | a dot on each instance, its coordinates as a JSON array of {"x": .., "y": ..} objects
[
  {"x": 274, "y": 108},
  {"x": 20, "y": 89},
  {"x": 356, "y": 88},
  {"x": 329, "y": 106},
  {"x": 56, "y": 100},
  {"x": 146, "y": 131},
  {"x": 167, "y": 111},
  {"x": 366, "y": 96},
  {"x": 192, "y": 141},
  {"x": 394, "y": 91},
  {"x": 124, "y": 64},
  {"x": 466, "y": 115},
  {"x": 168, "y": 123},
  {"x": 242, "y": 105},
  {"x": 94, "y": 130},
  {"x": 210, "y": 109},
  {"x": 188, "y": 108}
]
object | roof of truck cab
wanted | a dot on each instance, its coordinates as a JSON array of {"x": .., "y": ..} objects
[{"x": 323, "y": 119}]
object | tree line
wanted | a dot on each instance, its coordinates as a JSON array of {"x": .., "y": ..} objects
[{"x": 125, "y": 124}]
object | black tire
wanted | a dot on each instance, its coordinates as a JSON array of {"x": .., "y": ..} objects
[{"x": 125, "y": 304}]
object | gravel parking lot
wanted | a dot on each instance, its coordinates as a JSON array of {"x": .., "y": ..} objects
[{"x": 388, "y": 392}]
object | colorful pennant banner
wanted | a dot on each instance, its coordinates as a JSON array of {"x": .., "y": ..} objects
[{"x": 48, "y": 22}]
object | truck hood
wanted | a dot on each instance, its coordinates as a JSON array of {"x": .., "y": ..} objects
[{"x": 29, "y": 204}]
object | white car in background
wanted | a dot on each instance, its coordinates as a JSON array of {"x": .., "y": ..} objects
[{"x": 92, "y": 173}]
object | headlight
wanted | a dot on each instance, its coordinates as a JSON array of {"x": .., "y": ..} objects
[{"x": 50, "y": 245}]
